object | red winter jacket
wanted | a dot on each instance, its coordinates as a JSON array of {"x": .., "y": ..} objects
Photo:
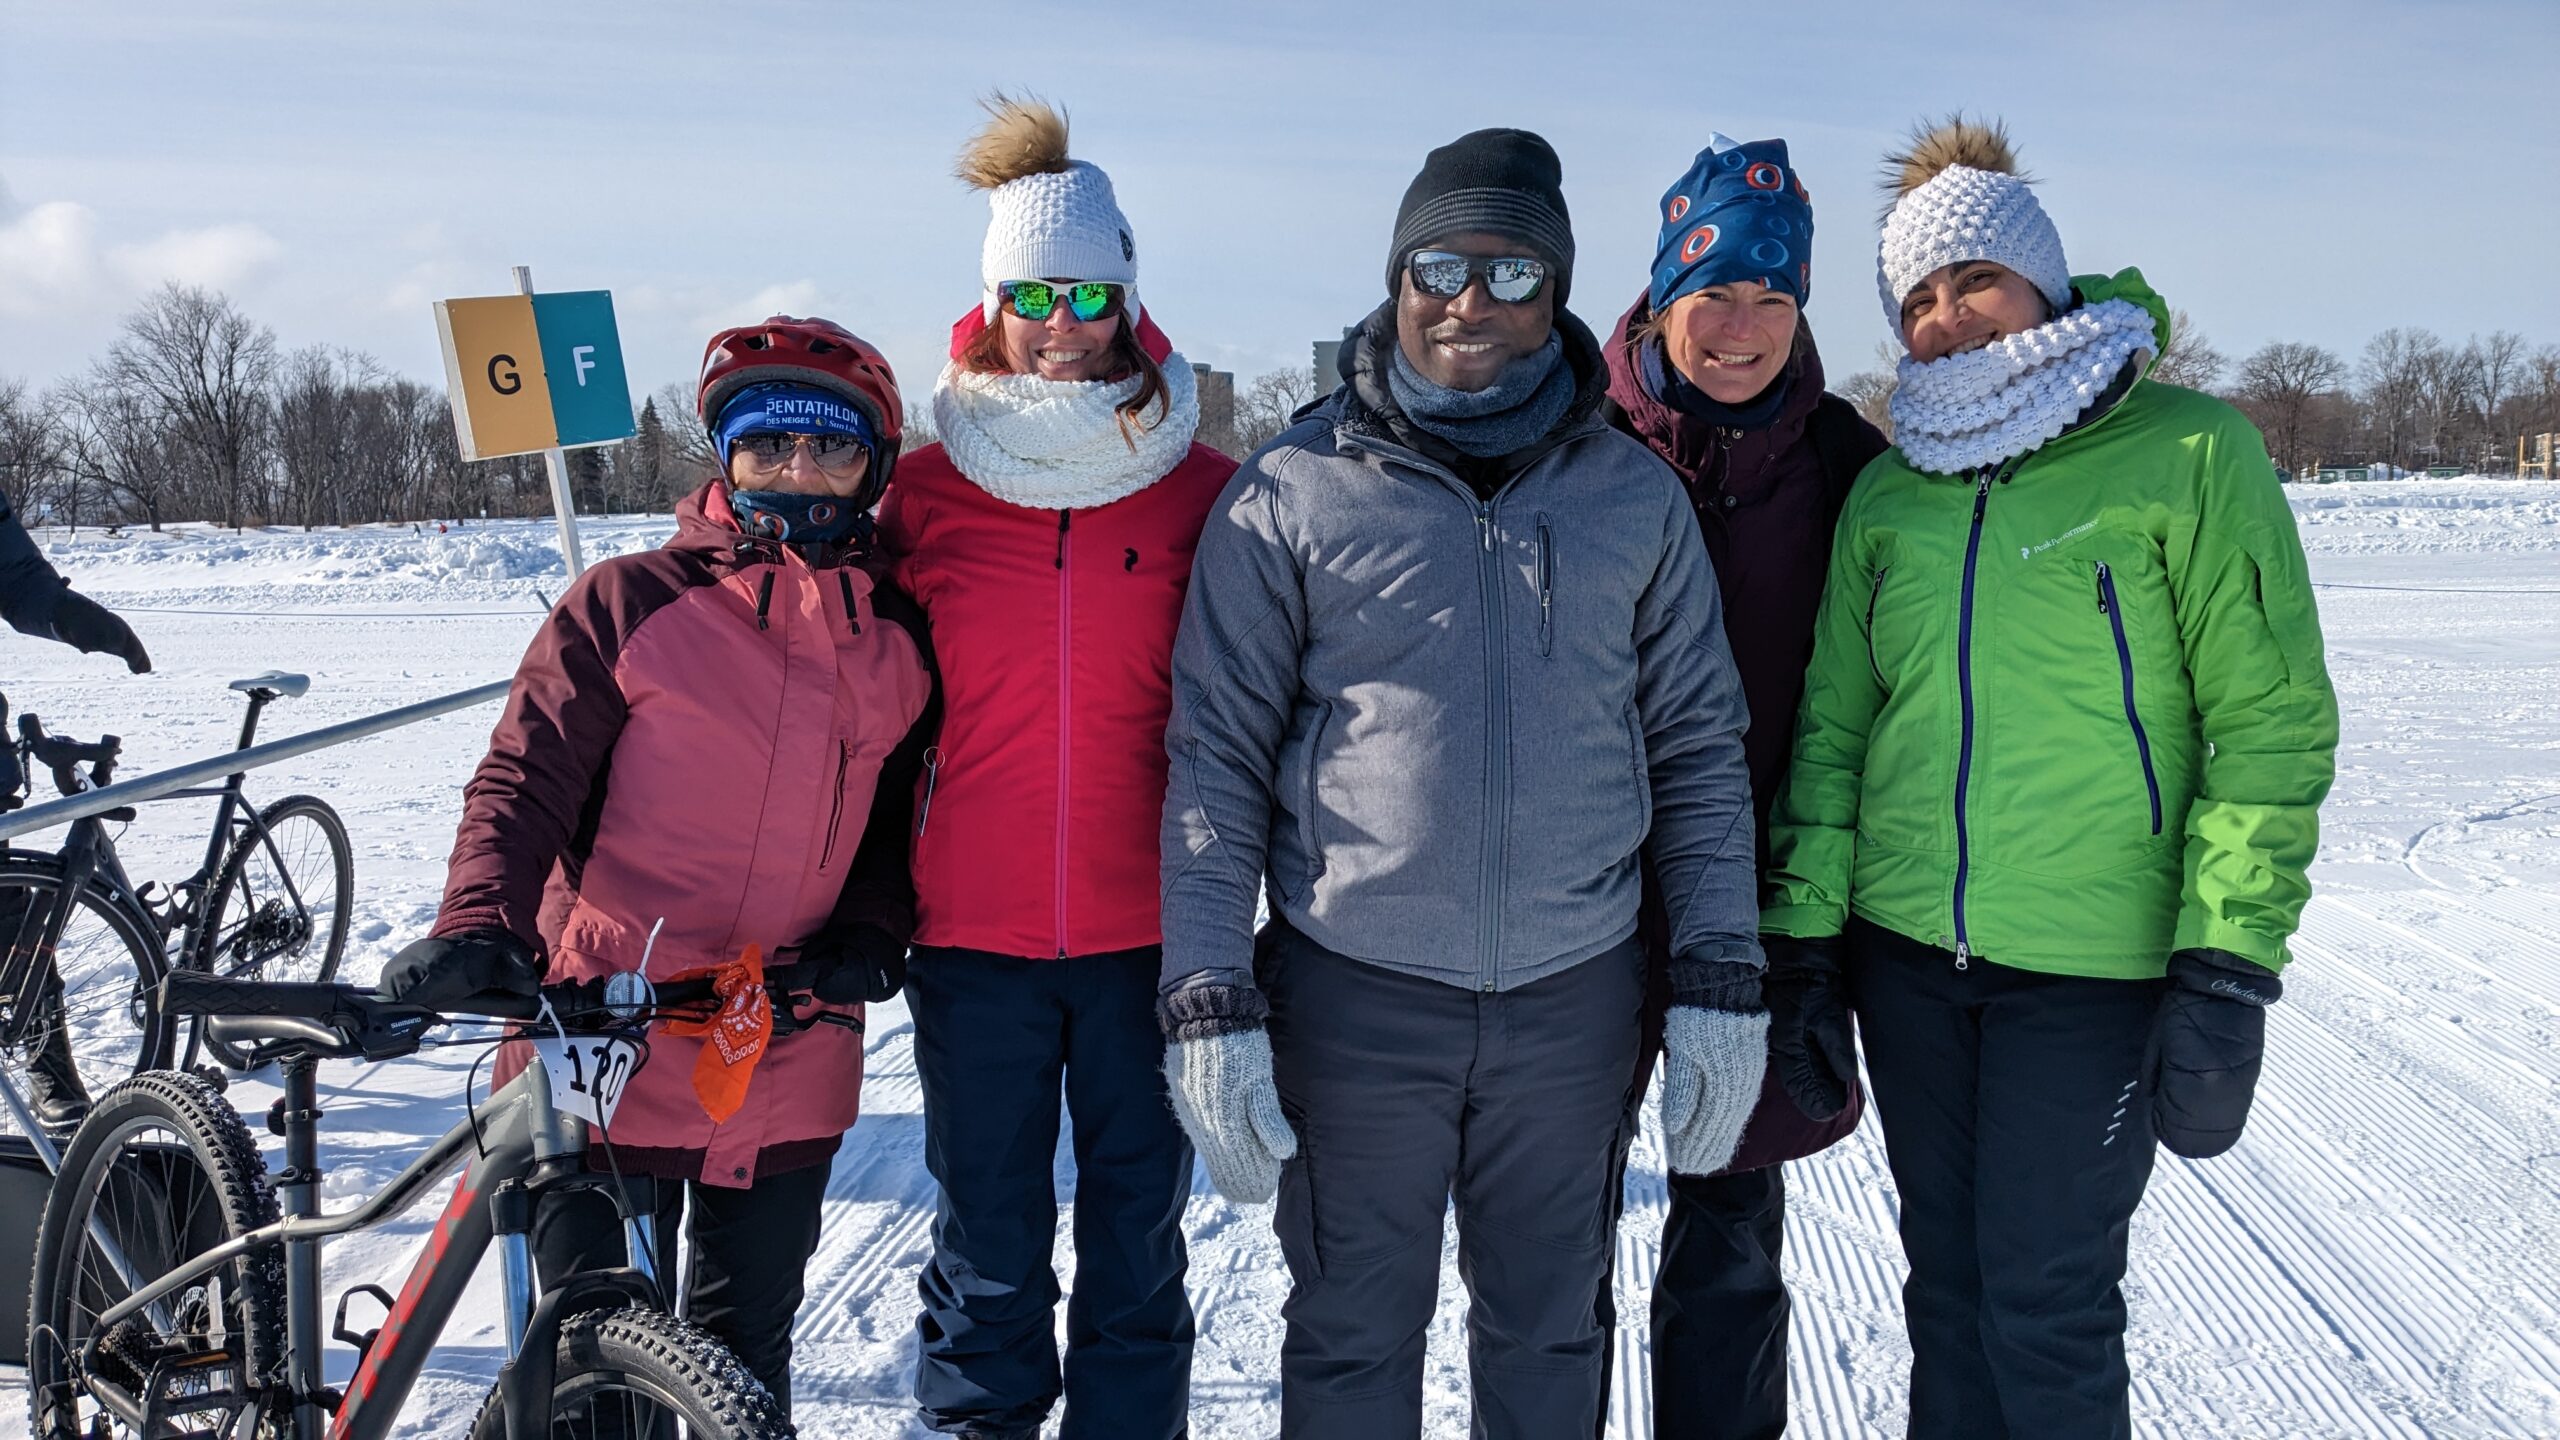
[
  {"x": 1054, "y": 633},
  {"x": 722, "y": 734}
]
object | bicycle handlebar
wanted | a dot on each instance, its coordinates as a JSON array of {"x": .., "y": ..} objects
[{"x": 375, "y": 1026}]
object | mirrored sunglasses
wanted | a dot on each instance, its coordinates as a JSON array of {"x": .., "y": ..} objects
[{"x": 1511, "y": 279}]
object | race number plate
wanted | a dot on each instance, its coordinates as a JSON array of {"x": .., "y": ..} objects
[{"x": 588, "y": 1073}]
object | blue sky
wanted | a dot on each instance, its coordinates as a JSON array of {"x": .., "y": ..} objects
[{"x": 2281, "y": 171}]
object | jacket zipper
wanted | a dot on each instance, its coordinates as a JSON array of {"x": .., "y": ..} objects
[
  {"x": 2114, "y": 611},
  {"x": 1066, "y": 710},
  {"x": 844, "y": 582},
  {"x": 1964, "y": 692},
  {"x": 1497, "y": 755},
  {"x": 1546, "y": 587},
  {"x": 932, "y": 775},
  {"x": 835, "y": 815},
  {"x": 1875, "y": 593},
  {"x": 764, "y": 599}
]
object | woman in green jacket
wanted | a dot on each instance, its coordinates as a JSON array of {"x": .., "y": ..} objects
[{"x": 2055, "y": 789}]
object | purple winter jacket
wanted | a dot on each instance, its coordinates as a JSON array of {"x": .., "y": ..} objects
[{"x": 1766, "y": 500}]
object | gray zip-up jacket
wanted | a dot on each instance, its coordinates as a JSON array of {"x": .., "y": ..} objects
[{"x": 1443, "y": 727}]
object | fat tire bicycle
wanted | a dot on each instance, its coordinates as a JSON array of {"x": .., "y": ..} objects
[
  {"x": 85, "y": 949},
  {"x": 162, "y": 1180}
]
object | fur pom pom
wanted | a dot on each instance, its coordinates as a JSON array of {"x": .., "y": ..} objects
[
  {"x": 1975, "y": 144},
  {"x": 1022, "y": 137}
]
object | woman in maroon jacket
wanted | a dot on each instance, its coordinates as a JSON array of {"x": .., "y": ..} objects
[
  {"x": 1714, "y": 369},
  {"x": 713, "y": 746},
  {"x": 1049, "y": 539}
]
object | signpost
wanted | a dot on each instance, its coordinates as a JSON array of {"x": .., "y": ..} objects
[{"x": 529, "y": 372}]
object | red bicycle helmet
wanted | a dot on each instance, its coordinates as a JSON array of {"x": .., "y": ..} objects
[{"x": 808, "y": 352}]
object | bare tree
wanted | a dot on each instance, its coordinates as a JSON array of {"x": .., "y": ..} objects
[
  {"x": 694, "y": 459},
  {"x": 2394, "y": 375},
  {"x": 2281, "y": 387},
  {"x": 2502, "y": 373},
  {"x": 2189, "y": 359},
  {"x": 205, "y": 369},
  {"x": 30, "y": 448},
  {"x": 1264, "y": 409}
]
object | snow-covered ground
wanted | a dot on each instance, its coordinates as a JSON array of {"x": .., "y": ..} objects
[{"x": 2381, "y": 1256}]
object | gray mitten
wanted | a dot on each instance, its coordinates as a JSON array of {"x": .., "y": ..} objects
[
  {"x": 1713, "y": 1054},
  {"x": 1222, "y": 1093}
]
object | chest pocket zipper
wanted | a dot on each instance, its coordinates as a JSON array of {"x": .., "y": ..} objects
[
  {"x": 1546, "y": 587},
  {"x": 1875, "y": 593},
  {"x": 932, "y": 774},
  {"x": 835, "y": 816},
  {"x": 2111, "y": 607}
]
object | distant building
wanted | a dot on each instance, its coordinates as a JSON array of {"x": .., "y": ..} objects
[
  {"x": 1328, "y": 357},
  {"x": 1217, "y": 409}
]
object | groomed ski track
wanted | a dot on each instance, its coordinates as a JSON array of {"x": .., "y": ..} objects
[{"x": 2380, "y": 1257}]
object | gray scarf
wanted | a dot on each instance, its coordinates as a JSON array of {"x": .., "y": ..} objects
[{"x": 1510, "y": 415}]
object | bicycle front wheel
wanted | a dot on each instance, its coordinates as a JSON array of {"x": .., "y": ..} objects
[
  {"x": 641, "y": 1375},
  {"x": 162, "y": 1171},
  {"x": 90, "y": 1004},
  {"x": 278, "y": 907}
]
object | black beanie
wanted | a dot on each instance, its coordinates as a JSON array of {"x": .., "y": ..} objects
[{"x": 1503, "y": 182}]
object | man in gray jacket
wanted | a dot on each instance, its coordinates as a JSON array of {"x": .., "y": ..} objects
[{"x": 1452, "y": 658}]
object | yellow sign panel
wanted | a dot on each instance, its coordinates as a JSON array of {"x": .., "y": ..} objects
[{"x": 493, "y": 372}]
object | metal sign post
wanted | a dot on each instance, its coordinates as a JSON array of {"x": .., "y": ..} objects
[{"x": 563, "y": 505}]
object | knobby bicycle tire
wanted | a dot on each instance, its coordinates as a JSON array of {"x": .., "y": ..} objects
[
  {"x": 630, "y": 1371},
  {"x": 110, "y": 966},
  {"x": 253, "y": 928},
  {"x": 164, "y": 1166}
]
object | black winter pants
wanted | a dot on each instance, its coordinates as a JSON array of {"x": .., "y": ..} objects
[
  {"x": 2015, "y": 1109},
  {"x": 750, "y": 1256},
  {"x": 997, "y": 1039},
  {"x": 1407, "y": 1093},
  {"x": 1720, "y": 1309}
]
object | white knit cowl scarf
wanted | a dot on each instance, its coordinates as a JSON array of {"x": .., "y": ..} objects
[
  {"x": 2016, "y": 393},
  {"x": 1058, "y": 444}
]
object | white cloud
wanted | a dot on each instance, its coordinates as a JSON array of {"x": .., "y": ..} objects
[
  {"x": 216, "y": 257},
  {"x": 55, "y": 260}
]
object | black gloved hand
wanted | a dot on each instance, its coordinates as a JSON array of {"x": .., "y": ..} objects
[
  {"x": 92, "y": 628},
  {"x": 1811, "y": 1040},
  {"x": 861, "y": 965},
  {"x": 445, "y": 970},
  {"x": 2211, "y": 1036}
]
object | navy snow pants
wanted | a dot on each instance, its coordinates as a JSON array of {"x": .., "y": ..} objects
[
  {"x": 997, "y": 1039},
  {"x": 2016, "y": 1113}
]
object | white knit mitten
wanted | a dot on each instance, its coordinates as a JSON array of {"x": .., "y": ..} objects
[
  {"x": 1224, "y": 1096},
  {"x": 1711, "y": 1067}
]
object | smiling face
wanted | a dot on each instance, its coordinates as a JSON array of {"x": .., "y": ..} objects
[
  {"x": 1464, "y": 343},
  {"x": 1060, "y": 347},
  {"x": 1965, "y": 306},
  {"x": 1730, "y": 340}
]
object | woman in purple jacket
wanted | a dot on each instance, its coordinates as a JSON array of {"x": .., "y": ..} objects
[{"x": 1714, "y": 370}]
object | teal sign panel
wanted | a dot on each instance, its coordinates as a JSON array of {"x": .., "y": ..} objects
[{"x": 582, "y": 359}]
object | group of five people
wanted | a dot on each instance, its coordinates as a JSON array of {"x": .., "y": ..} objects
[{"x": 1540, "y": 685}]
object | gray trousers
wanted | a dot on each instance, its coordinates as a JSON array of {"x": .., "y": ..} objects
[{"x": 1408, "y": 1094}]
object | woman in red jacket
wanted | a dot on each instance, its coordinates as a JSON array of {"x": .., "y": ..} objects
[
  {"x": 1049, "y": 539},
  {"x": 711, "y": 746}
]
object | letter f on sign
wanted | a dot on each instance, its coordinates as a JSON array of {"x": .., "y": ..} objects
[{"x": 578, "y": 356}]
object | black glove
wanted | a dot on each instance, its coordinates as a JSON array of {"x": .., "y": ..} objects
[
  {"x": 445, "y": 970},
  {"x": 859, "y": 965},
  {"x": 2211, "y": 1036},
  {"x": 92, "y": 628},
  {"x": 1811, "y": 1041}
]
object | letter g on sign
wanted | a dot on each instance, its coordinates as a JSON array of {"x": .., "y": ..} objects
[{"x": 508, "y": 383}]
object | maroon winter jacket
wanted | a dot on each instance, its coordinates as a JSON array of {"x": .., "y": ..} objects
[
  {"x": 721, "y": 735},
  {"x": 1766, "y": 499}
]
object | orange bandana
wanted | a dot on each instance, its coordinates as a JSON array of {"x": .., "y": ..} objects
[{"x": 737, "y": 1034}]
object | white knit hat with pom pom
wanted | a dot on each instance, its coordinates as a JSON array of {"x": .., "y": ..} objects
[
  {"x": 1959, "y": 197},
  {"x": 1054, "y": 218}
]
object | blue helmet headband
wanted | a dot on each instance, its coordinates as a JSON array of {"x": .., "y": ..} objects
[
  {"x": 1739, "y": 214},
  {"x": 796, "y": 409}
]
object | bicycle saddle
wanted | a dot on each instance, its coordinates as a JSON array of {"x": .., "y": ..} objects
[{"x": 278, "y": 681}]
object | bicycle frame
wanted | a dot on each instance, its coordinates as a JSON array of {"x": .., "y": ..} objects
[{"x": 517, "y": 1147}]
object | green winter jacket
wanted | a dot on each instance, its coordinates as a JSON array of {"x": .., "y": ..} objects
[{"x": 2068, "y": 714}]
